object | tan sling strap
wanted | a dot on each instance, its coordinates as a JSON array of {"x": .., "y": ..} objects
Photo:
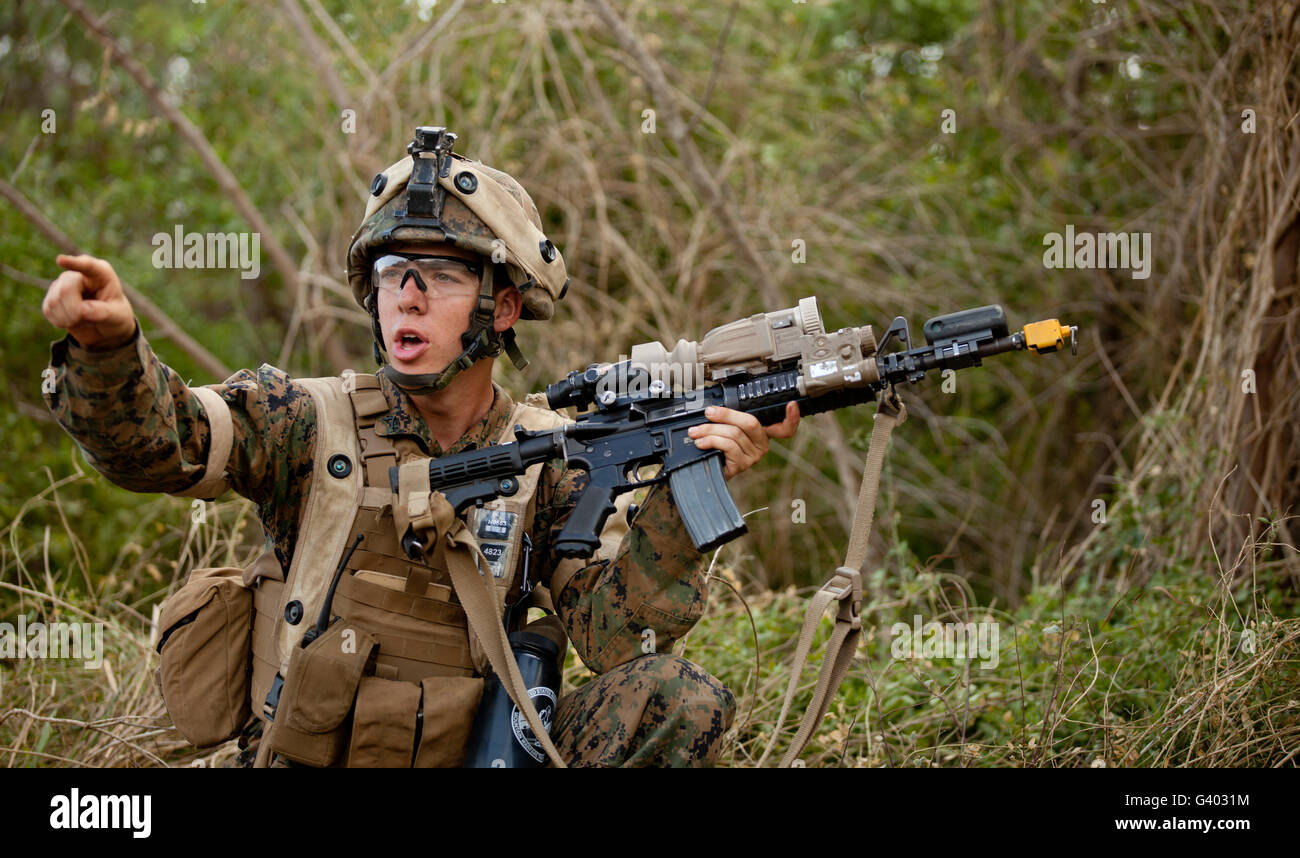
[
  {"x": 222, "y": 433},
  {"x": 429, "y": 513},
  {"x": 844, "y": 588},
  {"x": 464, "y": 560}
]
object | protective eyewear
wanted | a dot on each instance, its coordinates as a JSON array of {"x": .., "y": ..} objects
[{"x": 436, "y": 276}]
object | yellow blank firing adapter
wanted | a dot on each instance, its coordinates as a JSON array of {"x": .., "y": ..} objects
[{"x": 1049, "y": 336}]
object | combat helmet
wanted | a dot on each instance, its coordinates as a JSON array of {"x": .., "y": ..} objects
[{"x": 437, "y": 196}]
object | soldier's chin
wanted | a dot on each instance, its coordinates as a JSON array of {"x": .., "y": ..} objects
[{"x": 422, "y": 364}]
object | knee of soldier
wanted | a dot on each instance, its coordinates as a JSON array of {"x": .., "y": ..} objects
[{"x": 693, "y": 691}]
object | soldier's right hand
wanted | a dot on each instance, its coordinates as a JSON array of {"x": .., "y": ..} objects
[{"x": 88, "y": 302}]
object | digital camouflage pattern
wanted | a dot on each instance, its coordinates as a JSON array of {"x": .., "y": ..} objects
[
  {"x": 140, "y": 426},
  {"x": 657, "y": 710}
]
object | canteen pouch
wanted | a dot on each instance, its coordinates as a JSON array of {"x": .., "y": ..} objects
[
  {"x": 205, "y": 655},
  {"x": 450, "y": 704},
  {"x": 318, "y": 695}
]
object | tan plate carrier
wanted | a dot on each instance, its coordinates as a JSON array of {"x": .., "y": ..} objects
[{"x": 398, "y": 679}]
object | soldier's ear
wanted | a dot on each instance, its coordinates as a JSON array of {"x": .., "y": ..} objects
[{"x": 509, "y": 306}]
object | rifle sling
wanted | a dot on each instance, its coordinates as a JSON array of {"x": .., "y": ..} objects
[{"x": 844, "y": 588}]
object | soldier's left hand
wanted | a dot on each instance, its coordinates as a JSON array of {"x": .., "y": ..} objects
[{"x": 739, "y": 435}]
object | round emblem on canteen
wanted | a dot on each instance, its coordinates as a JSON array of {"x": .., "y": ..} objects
[
  {"x": 466, "y": 182},
  {"x": 339, "y": 465},
  {"x": 544, "y": 701}
]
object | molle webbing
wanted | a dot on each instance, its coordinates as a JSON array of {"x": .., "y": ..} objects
[
  {"x": 418, "y": 636},
  {"x": 421, "y": 629},
  {"x": 380, "y": 551}
]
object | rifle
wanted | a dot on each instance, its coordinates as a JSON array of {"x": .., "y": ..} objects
[{"x": 633, "y": 429}]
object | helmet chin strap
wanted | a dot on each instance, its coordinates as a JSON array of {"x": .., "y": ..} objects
[{"x": 479, "y": 341}]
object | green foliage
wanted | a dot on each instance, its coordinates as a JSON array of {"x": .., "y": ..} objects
[{"x": 1082, "y": 677}]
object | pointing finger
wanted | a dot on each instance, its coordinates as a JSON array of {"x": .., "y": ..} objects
[{"x": 84, "y": 263}]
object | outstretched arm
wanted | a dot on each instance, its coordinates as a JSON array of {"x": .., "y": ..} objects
[{"x": 138, "y": 422}]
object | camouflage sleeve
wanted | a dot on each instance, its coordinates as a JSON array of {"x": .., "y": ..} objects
[
  {"x": 141, "y": 426},
  {"x": 640, "y": 594}
]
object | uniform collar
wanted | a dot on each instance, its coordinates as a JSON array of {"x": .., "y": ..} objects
[{"x": 403, "y": 419}]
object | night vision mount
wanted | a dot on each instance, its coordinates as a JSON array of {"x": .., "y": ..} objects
[{"x": 430, "y": 153}]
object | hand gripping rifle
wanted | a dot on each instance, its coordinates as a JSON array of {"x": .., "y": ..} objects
[{"x": 644, "y": 406}]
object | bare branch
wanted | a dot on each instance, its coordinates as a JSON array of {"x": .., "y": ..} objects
[
  {"x": 166, "y": 326},
  {"x": 666, "y": 105},
  {"x": 225, "y": 179}
]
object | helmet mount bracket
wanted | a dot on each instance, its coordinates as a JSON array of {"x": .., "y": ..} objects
[{"x": 430, "y": 153}]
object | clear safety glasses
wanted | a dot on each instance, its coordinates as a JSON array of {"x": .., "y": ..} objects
[{"x": 436, "y": 276}]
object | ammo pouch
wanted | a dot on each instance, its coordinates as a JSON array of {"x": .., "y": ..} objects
[
  {"x": 401, "y": 724},
  {"x": 399, "y": 665},
  {"x": 418, "y": 705},
  {"x": 205, "y": 649}
]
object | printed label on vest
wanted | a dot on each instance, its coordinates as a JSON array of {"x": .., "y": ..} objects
[
  {"x": 495, "y": 554},
  {"x": 544, "y": 702},
  {"x": 496, "y": 524}
]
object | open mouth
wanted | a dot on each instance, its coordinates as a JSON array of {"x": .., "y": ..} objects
[{"x": 408, "y": 345}]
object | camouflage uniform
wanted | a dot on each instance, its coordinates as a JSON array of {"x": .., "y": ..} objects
[{"x": 140, "y": 426}]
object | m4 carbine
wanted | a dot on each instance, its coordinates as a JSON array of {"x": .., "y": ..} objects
[{"x": 633, "y": 431}]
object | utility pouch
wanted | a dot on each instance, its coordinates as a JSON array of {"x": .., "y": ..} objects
[
  {"x": 205, "y": 649},
  {"x": 318, "y": 695}
]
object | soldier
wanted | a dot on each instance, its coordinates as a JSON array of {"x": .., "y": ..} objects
[{"x": 444, "y": 239}]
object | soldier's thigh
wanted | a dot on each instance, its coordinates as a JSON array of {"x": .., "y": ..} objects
[{"x": 656, "y": 710}]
